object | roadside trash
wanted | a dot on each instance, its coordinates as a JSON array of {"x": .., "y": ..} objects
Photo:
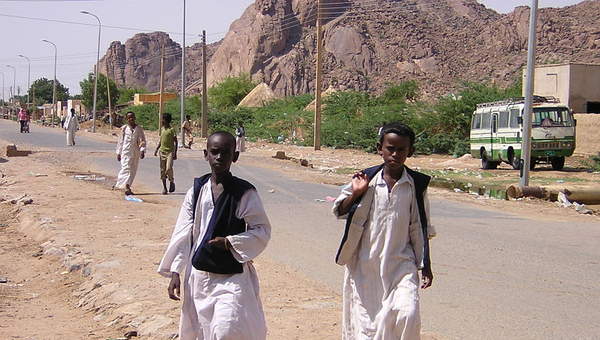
[
  {"x": 319, "y": 200},
  {"x": 23, "y": 199},
  {"x": 560, "y": 181},
  {"x": 3, "y": 280},
  {"x": 457, "y": 190},
  {"x": 330, "y": 199},
  {"x": 91, "y": 178},
  {"x": 565, "y": 203},
  {"x": 37, "y": 175},
  {"x": 272, "y": 191},
  {"x": 133, "y": 199}
]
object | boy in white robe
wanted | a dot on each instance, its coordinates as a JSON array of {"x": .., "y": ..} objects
[
  {"x": 71, "y": 125},
  {"x": 131, "y": 147},
  {"x": 220, "y": 287},
  {"x": 384, "y": 245}
]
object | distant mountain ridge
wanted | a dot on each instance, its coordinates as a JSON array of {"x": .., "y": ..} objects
[{"x": 370, "y": 43}]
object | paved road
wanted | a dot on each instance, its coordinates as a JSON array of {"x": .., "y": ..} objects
[{"x": 498, "y": 275}]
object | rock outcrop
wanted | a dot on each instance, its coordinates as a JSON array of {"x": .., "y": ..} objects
[{"x": 369, "y": 43}]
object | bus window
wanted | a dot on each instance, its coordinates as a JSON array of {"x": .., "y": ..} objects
[
  {"x": 503, "y": 119},
  {"x": 552, "y": 116},
  {"x": 485, "y": 120},
  {"x": 476, "y": 122},
  {"x": 514, "y": 118}
]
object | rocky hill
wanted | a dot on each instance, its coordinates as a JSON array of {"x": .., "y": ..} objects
[{"x": 370, "y": 43}]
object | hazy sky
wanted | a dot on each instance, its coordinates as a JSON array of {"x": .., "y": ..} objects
[{"x": 77, "y": 44}]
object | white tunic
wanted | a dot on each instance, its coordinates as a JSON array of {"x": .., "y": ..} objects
[
  {"x": 381, "y": 284},
  {"x": 130, "y": 145},
  {"x": 71, "y": 125},
  {"x": 217, "y": 306}
]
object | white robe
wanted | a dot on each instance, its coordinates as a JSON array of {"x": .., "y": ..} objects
[
  {"x": 217, "y": 306},
  {"x": 130, "y": 145},
  {"x": 71, "y": 125},
  {"x": 381, "y": 283}
]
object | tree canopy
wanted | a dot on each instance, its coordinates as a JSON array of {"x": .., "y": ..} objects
[
  {"x": 87, "y": 92},
  {"x": 41, "y": 89}
]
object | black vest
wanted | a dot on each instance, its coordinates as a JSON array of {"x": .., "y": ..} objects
[
  {"x": 223, "y": 222},
  {"x": 421, "y": 183}
]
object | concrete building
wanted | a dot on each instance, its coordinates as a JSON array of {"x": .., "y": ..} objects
[{"x": 574, "y": 84}]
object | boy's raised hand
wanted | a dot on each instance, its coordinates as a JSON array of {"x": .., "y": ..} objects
[
  {"x": 360, "y": 184},
  {"x": 174, "y": 287}
]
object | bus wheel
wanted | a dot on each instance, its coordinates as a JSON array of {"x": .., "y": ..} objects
[
  {"x": 514, "y": 162},
  {"x": 558, "y": 163},
  {"x": 486, "y": 164}
]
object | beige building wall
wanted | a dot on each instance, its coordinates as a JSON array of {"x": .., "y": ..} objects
[
  {"x": 587, "y": 138},
  {"x": 573, "y": 84},
  {"x": 585, "y": 86}
]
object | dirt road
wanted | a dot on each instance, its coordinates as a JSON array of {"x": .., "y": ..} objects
[{"x": 493, "y": 268}]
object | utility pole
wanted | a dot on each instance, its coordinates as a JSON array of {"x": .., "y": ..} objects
[
  {"x": 3, "y": 99},
  {"x": 96, "y": 69},
  {"x": 28, "y": 77},
  {"x": 204, "y": 123},
  {"x": 108, "y": 93},
  {"x": 318, "y": 79},
  {"x": 527, "y": 110},
  {"x": 183, "y": 79},
  {"x": 162, "y": 87},
  {"x": 54, "y": 81}
]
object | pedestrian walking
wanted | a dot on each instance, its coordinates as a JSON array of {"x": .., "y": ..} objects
[
  {"x": 187, "y": 130},
  {"x": 224, "y": 218},
  {"x": 131, "y": 147},
  {"x": 167, "y": 146},
  {"x": 23, "y": 117},
  {"x": 71, "y": 124},
  {"x": 240, "y": 139},
  {"x": 385, "y": 243}
]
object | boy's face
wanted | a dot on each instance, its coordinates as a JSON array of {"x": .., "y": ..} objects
[
  {"x": 166, "y": 122},
  {"x": 131, "y": 119},
  {"x": 220, "y": 153},
  {"x": 395, "y": 150}
]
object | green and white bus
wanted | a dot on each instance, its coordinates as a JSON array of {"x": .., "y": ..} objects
[{"x": 497, "y": 129}]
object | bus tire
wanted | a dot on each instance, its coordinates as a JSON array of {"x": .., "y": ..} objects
[
  {"x": 558, "y": 163},
  {"x": 514, "y": 162},
  {"x": 486, "y": 164}
]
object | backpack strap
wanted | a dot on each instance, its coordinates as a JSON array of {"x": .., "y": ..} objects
[{"x": 421, "y": 184}]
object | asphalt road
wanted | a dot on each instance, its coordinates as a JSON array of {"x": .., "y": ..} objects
[{"x": 498, "y": 275}]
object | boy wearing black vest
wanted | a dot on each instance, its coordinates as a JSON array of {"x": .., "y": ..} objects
[
  {"x": 385, "y": 243},
  {"x": 221, "y": 228}
]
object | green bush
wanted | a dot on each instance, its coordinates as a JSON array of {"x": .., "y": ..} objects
[{"x": 230, "y": 92}]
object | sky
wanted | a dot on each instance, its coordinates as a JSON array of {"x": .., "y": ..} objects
[{"x": 77, "y": 44}]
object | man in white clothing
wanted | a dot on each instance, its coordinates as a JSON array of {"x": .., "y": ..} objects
[
  {"x": 384, "y": 244},
  {"x": 71, "y": 125},
  {"x": 131, "y": 147},
  {"x": 221, "y": 228}
]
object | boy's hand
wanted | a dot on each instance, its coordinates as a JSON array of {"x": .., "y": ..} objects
[
  {"x": 143, "y": 155},
  {"x": 174, "y": 156},
  {"x": 119, "y": 158},
  {"x": 174, "y": 287},
  {"x": 360, "y": 184},
  {"x": 426, "y": 277},
  {"x": 156, "y": 153},
  {"x": 220, "y": 242}
]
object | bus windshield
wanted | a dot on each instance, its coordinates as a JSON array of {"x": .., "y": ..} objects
[{"x": 552, "y": 116}]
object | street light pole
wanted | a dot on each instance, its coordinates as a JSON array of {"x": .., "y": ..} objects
[
  {"x": 54, "y": 81},
  {"x": 3, "y": 99},
  {"x": 183, "y": 78},
  {"x": 28, "y": 76},
  {"x": 14, "y": 87},
  {"x": 95, "y": 71},
  {"x": 527, "y": 110}
]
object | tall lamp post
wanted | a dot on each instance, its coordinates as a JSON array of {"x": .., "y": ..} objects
[
  {"x": 28, "y": 76},
  {"x": 54, "y": 81},
  {"x": 3, "y": 99},
  {"x": 95, "y": 71},
  {"x": 14, "y": 87},
  {"x": 183, "y": 78}
]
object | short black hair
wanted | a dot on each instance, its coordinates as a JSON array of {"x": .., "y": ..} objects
[
  {"x": 225, "y": 134},
  {"x": 167, "y": 117},
  {"x": 128, "y": 112},
  {"x": 187, "y": 116},
  {"x": 399, "y": 129}
]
